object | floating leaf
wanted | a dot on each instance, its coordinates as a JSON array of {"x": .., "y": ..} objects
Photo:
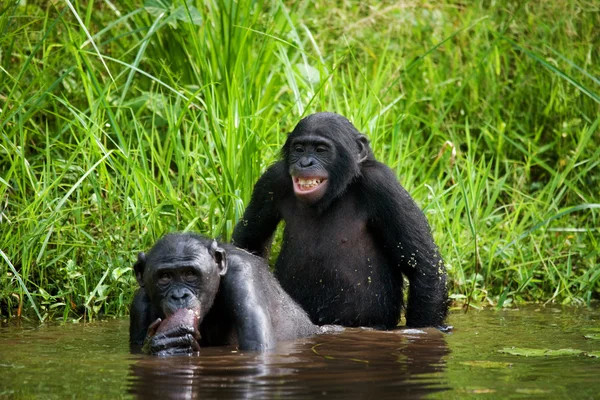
[
  {"x": 532, "y": 391},
  {"x": 594, "y": 336},
  {"x": 479, "y": 390},
  {"x": 540, "y": 352},
  {"x": 564, "y": 352},
  {"x": 487, "y": 364}
]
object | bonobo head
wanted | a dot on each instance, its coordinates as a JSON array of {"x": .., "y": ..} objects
[
  {"x": 182, "y": 270},
  {"x": 323, "y": 155}
]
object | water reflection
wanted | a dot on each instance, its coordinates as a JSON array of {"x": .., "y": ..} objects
[
  {"x": 58, "y": 361},
  {"x": 356, "y": 363}
]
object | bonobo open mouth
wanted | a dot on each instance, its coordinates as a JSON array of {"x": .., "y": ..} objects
[
  {"x": 309, "y": 189},
  {"x": 306, "y": 185}
]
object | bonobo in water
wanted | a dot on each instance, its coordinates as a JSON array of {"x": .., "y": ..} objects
[
  {"x": 230, "y": 294},
  {"x": 351, "y": 231}
]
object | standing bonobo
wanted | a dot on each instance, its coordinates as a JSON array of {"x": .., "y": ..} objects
[
  {"x": 351, "y": 231},
  {"x": 230, "y": 293}
]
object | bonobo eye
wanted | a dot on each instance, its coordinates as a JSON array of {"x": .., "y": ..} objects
[
  {"x": 164, "y": 278},
  {"x": 322, "y": 149},
  {"x": 189, "y": 275},
  {"x": 299, "y": 149}
]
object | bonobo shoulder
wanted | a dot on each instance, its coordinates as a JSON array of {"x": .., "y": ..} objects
[
  {"x": 275, "y": 173},
  {"x": 240, "y": 261},
  {"x": 378, "y": 176},
  {"x": 275, "y": 181}
]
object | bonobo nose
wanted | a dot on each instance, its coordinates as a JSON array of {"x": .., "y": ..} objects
[
  {"x": 180, "y": 294},
  {"x": 306, "y": 162}
]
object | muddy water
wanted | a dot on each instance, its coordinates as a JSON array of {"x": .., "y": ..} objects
[{"x": 94, "y": 361}]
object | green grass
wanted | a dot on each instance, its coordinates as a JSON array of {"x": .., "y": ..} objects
[{"x": 120, "y": 123}]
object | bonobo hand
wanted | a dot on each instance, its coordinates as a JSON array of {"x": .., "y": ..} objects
[{"x": 176, "y": 335}]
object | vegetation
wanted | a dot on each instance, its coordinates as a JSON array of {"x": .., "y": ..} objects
[{"x": 121, "y": 121}]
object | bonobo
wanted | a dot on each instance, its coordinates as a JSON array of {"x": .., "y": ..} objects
[
  {"x": 351, "y": 231},
  {"x": 229, "y": 293}
]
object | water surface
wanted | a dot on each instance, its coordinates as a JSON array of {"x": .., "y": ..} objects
[{"x": 94, "y": 361}]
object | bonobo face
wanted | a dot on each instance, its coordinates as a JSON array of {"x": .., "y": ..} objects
[
  {"x": 309, "y": 158},
  {"x": 323, "y": 155},
  {"x": 182, "y": 272}
]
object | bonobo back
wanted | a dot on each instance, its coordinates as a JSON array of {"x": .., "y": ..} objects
[
  {"x": 289, "y": 320},
  {"x": 232, "y": 296}
]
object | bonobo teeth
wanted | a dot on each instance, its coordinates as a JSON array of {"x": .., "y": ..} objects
[{"x": 306, "y": 184}]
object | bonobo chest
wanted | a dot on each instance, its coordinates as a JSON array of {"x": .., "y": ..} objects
[{"x": 342, "y": 225}]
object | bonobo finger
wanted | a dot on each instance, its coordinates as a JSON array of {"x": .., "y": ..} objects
[
  {"x": 195, "y": 345},
  {"x": 153, "y": 327},
  {"x": 177, "y": 351},
  {"x": 161, "y": 342},
  {"x": 179, "y": 330}
]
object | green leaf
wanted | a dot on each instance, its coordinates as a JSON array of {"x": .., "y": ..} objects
[
  {"x": 309, "y": 73},
  {"x": 118, "y": 272},
  {"x": 527, "y": 352},
  {"x": 157, "y": 7},
  {"x": 487, "y": 364},
  {"x": 182, "y": 13},
  {"x": 194, "y": 16}
]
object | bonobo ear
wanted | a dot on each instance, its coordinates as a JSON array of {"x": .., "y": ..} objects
[
  {"x": 363, "y": 148},
  {"x": 139, "y": 267},
  {"x": 220, "y": 257}
]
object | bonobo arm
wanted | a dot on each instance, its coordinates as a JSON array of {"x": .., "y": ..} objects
[
  {"x": 402, "y": 229},
  {"x": 254, "y": 231},
  {"x": 140, "y": 317},
  {"x": 244, "y": 297}
]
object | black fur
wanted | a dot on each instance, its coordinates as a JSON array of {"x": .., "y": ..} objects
[
  {"x": 345, "y": 250},
  {"x": 240, "y": 301}
]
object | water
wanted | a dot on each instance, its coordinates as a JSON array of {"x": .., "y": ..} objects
[{"x": 94, "y": 361}]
